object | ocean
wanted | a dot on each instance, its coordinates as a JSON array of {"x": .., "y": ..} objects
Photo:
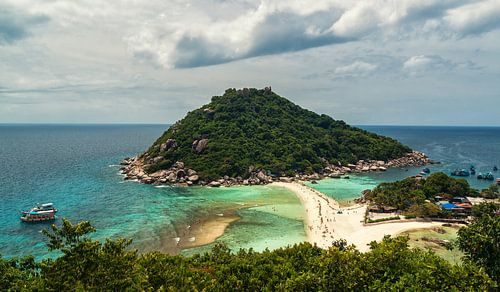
[
  {"x": 453, "y": 147},
  {"x": 76, "y": 167}
]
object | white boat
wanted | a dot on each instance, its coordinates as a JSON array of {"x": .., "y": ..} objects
[{"x": 39, "y": 213}]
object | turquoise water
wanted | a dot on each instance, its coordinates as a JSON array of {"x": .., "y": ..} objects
[
  {"x": 454, "y": 147},
  {"x": 75, "y": 166}
]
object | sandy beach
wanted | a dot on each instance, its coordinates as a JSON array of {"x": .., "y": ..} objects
[
  {"x": 206, "y": 232},
  {"x": 326, "y": 221}
]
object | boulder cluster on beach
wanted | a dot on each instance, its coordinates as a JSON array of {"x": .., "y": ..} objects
[{"x": 134, "y": 169}]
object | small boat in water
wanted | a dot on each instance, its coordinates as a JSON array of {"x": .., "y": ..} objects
[
  {"x": 40, "y": 213},
  {"x": 426, "y": 170},
  {"x": 488, "y": 176},
  {"x": 495, "y": 168},
  {"x": 460, "y": 172}
]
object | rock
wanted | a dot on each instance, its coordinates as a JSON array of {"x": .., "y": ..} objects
[
  {"x": 314, "y": 176},
  {"x": 261, "y": 176},
  {"x": 157, "y": 174},
  {"x": 373, "y": 168},
  {"x": 201, "y": 145},
  {"x": 169, "y": 144},
  {"x": 179, "y": 164},
  {"x": 193, "y": 178},
  {"x": 365, "y": 168},
  {"x": 351, "y": 166},
  {"x": 158, "y": 159},
  {"x": 214, "y": 184},
  {"x": 180, "y": 173},
  {"x": 381, "y": 168},
  {"x": 191, "y": 172},
  {"x": 209, "y": 112},
  {"x": 147, "y": 180},
  {"x": 172, "y": 177}
]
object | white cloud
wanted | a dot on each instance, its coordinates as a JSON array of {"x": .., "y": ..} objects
[
  {"x": 474, "y": 18},
  {"x": 360, "y": 52},
  {"x": 356, "y": 69}
]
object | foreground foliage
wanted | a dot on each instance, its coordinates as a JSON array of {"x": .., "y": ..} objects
[
  {"x": 481, "y": 240},
  {"x": 86, "y": 264},
  {"x": 259, "y": 129}
]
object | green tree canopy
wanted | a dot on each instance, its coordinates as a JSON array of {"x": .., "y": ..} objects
[
  {"x": 88, "y": 265},
  {"x": 258, "y": 128}
]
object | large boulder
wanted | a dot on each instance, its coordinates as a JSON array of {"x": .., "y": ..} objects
[
  {"x": 157, "y": 159},
  {"x": 199, "y": 145},
  {"x": 262, "y": 176},
  {"x": 214, "y": 184},
  {"x": 193, "y": 178},
  {"x": 172, "y": 177},
  {"x": 179, "y": 164},
  {"x": 169, "y": 144},
  {"x": 286, "y": 179}
]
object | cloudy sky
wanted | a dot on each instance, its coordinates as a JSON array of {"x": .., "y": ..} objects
[{"x": 366, "y": 62}]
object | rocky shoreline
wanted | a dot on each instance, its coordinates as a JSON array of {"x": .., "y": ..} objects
[{"x": 179, "y": 175}]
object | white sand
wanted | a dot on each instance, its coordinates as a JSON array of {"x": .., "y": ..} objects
[{"x": 325, "y": 225}]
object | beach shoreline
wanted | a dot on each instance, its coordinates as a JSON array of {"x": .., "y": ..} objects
[
  {"x": 205, "y": 232},
  {"x": 326, "y": 221}
]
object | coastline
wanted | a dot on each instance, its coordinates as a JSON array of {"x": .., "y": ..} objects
[
  {"x": 326, "y": 221},
  {"x": 179, "y": 174}
]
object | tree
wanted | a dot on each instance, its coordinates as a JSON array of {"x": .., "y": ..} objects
[
  {"x": 491, "y": 192},
  {"x": 88, "y": 264},
  {"x": 480, "y": 241}
]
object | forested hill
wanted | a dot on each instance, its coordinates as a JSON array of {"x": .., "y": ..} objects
[{"x": 257, "y": 129}]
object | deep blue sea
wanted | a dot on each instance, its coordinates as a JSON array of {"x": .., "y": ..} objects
[{"x": 75, "y": 167}]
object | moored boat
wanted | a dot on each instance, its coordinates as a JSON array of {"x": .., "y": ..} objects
[
  {"x": 460, "y": 172},
  {"x": 495, "y": 168},
  {"x": 488, "y": 176},
  {"x": 40, "y": 213},
  {"x": 426, "y": 170}
]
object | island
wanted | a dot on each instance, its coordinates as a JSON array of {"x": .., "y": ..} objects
[{"x": 254, "y": 136}]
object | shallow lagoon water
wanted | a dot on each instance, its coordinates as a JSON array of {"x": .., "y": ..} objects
[{"x": 75, "y": 166}]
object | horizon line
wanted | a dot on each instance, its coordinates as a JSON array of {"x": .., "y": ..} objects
[{"x": 167, "y": 124}]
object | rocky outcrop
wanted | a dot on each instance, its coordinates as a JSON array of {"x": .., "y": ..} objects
[
  {"x": 199, "y": 145},
  {"x": 169, "y": 144},
  {"x": 178, "y": 174}
]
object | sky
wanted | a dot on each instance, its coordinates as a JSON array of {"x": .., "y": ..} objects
[{"x": 399, "y": 62}]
